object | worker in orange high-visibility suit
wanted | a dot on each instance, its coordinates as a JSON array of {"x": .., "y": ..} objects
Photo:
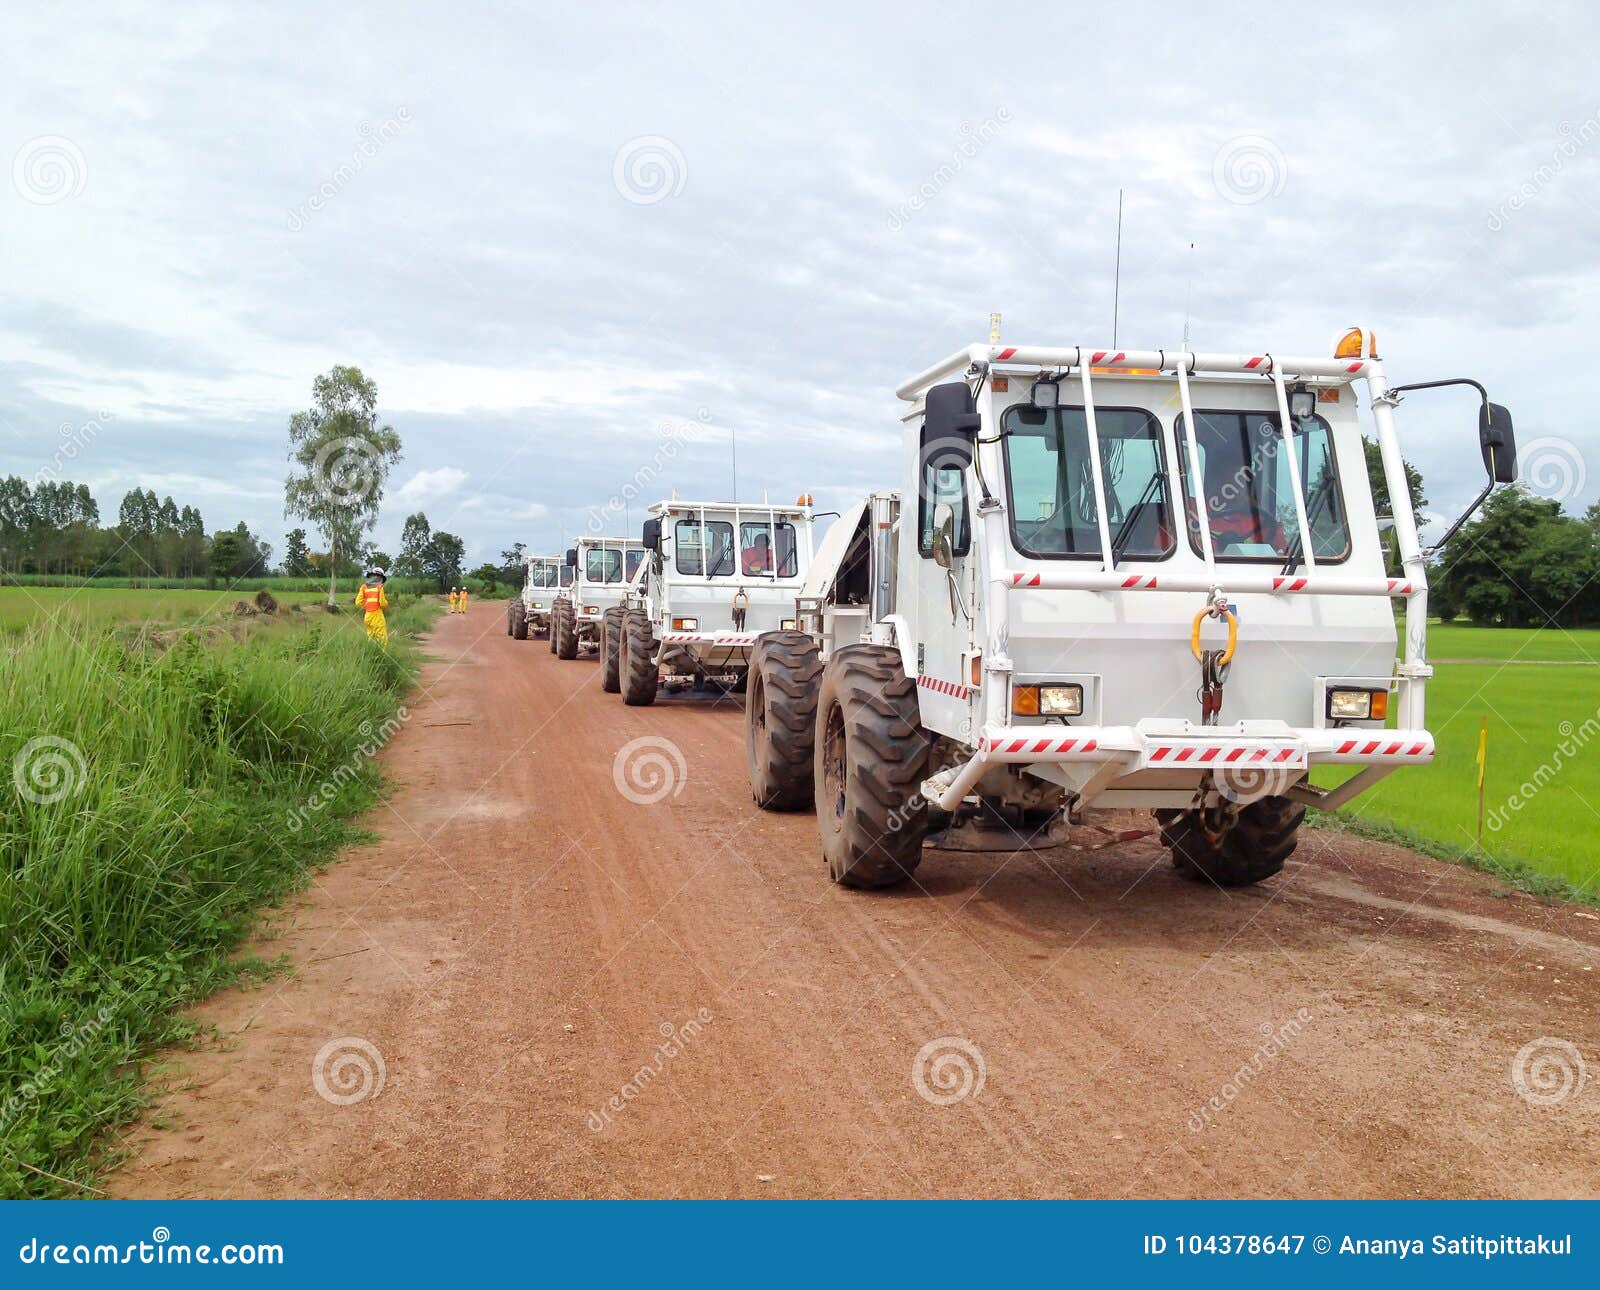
[
  {"x": 463, "y": 608},
  {"x": 372, "y": 599},
  {"x": 452, "y": 600}
]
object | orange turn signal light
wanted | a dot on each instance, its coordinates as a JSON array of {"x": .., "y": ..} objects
[{"x": 1025, "y": 700}]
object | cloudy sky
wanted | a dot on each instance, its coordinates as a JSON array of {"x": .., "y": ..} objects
[{"x": 571, "y": 243}]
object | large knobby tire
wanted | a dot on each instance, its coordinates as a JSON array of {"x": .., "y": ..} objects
[
  {"x": 611, "y": 650},
  {"x": 1262, "y": 837},
  {"x": 566, "y": 633},
  {"x": 519, "y": 620},
  {"x": 550, "y": 631},
  {"x": 640, "y": 676},
  {"x": 870, "y": 760},
  {"x": 780, "y": 718}
]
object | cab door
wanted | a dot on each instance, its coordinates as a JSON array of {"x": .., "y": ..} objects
[{"x": 942, "y": 576}]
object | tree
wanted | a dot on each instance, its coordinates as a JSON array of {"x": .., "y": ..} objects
[
  {"x": 510, "y": 570},
  {"x": 1520, "y": 563},
  {"x": 341, "y": 459},
  {"x": 1380, "y": 484},
  {"x": 414, "y": 539},
  {"x": 443, "y": 559},
  {"x": 488, "y": 575},
  {"x": 296, "y": 556},
  {"x": 227, "y": 555}
]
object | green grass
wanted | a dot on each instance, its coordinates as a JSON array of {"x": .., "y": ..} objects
[
  {"x": 1538, "y": 738},
  {"x": 1519, "y": 644},
  {"x": 151, "y": 810},
  {"x": 22, "y": 606}
]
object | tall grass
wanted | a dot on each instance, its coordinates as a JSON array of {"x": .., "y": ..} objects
[{"x": 150, "y": 810}]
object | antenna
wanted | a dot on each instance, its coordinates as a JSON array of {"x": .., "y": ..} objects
[
  {"x": 1188, "y": 296},
  {"x": 1116, "y": 277}
]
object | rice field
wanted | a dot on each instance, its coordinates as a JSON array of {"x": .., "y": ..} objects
[{"x": 1540, "y": 692}]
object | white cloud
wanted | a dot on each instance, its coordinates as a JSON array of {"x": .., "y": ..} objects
[{"x": 429, "y": 487}]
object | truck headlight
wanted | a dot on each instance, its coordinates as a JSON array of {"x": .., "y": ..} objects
[
  {"x": 591, "y": 609},
  {"x": 1060, "y": 700},
  {"x": 791, "y": 624},
  {"x": 1047, "y": 700},
  {"x": 685, "y": 624},
  {"x": 1358, "y": 705},
  {"x": 537, "y": 604}
]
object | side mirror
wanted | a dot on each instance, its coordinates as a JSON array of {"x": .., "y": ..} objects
[
  {"x": 944, "y": 535},
  {"x": 572, "y": 557},
  {"x": 652, "y": 534},
  {"x": 1499, "y": 443},
  {"x": 950, "y": 420}
]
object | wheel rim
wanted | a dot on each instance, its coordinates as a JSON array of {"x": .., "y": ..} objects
[{"x": 833, "y": 766}]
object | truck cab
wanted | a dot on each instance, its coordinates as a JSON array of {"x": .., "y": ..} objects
[
  {"x": 600, "y": 569},
  {"x": 528, "y": 612},
  {"x": 717, "y": 575}
]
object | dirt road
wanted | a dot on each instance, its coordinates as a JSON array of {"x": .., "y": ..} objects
[{"x": 537, "y": 984}]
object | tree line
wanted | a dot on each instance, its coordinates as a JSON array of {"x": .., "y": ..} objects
[{"x": 54, "y": 527}]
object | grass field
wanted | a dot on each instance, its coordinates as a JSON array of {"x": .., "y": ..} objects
[
  {"x": 1542, "y": 790},
  {"x": 20, "y": 606},
  {"x": 162, "y": 790}
]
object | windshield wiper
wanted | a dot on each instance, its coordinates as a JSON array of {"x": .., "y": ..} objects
[
  {"x": 1126, "y": 530},
  {"x": 1323, "y": 491}
]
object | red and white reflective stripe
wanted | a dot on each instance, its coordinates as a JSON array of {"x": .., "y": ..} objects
[
  {"x": 1286, "y": 756},
  {"x": 944, "y": 687},
  {"x": 1399, "y": 587},
  {"x": 1289, "y": 584},
  {"x": 1025, "y": 579},
  {"x": 1057, "y": 746},
  {"x": 706, "y": 638},
  {"x": 1251, "y": 364},
  {"x": 1139, "y": 582},
  {"x": 1109, "y": 360},
  {"x": 1387, "y": 749},
  {"x": 1005, "y": 354}
]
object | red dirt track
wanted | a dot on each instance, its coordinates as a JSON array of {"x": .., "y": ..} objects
[{"x": 522, "y": 938}]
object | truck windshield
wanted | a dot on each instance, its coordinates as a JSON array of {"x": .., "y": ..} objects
[
  {"x": 1250, "y": 493},
  {"x": 602, "y": 564},
  {"x": 1051, "y": 482},
  {"x": 690, "y": 538},
  {"x": 760, "y": 556},
  {"x": 542, "y": 573}
]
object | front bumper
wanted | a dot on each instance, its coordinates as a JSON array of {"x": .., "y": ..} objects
[
  {"x": 723, "y": 639},
  {"x": 1206, "y": 747}
]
